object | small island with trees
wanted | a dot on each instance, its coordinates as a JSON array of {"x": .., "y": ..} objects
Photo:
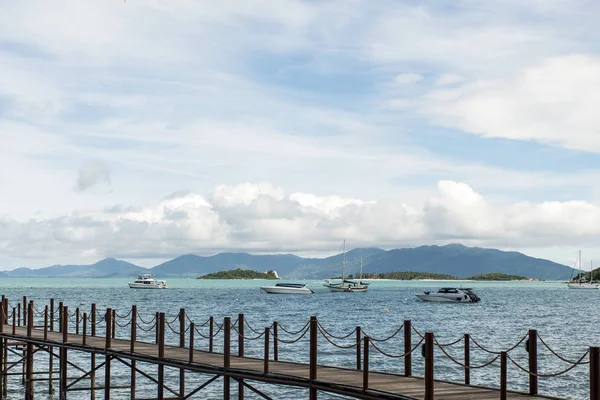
[{"x": 240, "y": 273}]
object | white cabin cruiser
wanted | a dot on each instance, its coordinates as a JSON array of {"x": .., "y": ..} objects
[
  {"x": 450, "y": 295},
  {"x": 287, "y": 288},
  {"x": 145, "y": 281}
]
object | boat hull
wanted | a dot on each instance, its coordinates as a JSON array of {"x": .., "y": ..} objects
[
  {"x": 582, "y": 286},
  {"x": 347, "y": 289},
  {"x": 444, "y": 299},
  {"x": 145, "y": 286},
  {"x": 285, "y": 290}
]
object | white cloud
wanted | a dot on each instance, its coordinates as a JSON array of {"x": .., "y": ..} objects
[
  {"x": 260, "y": 217},
  {"x": 91, "y": 174},
  {"x": 449, "y": 79},
  {"x": 407, "y": 78},
  {"x": 552, "y": 103}
]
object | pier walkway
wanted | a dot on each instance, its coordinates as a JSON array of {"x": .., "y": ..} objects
[{"x": 362, "y": 382}]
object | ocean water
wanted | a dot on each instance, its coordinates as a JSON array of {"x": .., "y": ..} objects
[{"x": 566, "y": 320}]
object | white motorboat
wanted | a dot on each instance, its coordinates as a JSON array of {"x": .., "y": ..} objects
[
  {"x": 450, "y": 295},
  {"x": 346, "y": 285},
  {"x": 145, "y": 281},
  {"x": 287, "y": 288},
  {"x": 579, "y": 283}
]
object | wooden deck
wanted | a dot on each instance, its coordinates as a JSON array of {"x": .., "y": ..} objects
[{"x": 331, "y": 379}]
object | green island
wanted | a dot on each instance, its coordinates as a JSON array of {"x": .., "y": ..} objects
[
  {"x": 409, "y": 276},
  {"x": 240, "y": 274}
]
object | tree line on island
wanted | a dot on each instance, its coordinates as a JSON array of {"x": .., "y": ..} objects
[{"x": 240, "y": 273}]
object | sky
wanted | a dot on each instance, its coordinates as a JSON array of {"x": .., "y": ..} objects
[{"x": 144, "y": 130}]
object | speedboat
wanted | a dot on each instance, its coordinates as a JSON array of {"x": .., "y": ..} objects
[
  {"x": 287, "y": 288},
  {"x": 450, "y": 295},
  {"x": 145, "y": 281}
]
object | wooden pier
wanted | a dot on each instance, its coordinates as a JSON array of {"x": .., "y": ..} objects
[{"x": 27, "y": 331}]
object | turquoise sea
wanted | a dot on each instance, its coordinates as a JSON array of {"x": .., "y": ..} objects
[{"x": 566, "y": 319}]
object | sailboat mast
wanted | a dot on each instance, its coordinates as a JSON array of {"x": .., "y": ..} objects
[{"x": 343, "y": 259}]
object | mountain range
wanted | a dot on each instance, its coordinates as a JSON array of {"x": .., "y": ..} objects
[{"x": 452, "y": 259}]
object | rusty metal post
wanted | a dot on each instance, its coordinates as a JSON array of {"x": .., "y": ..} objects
[
  {"x": 503, "y": 368},
  {"x": 25, "y": 310},
  {"x": 108, "y": 323},
  {"x": 93, "y": 312},
  {"x": 241, "y": 323},
  {"x": 64, "y": 319},
  {"x": 114, "y": 324},
  {"x": 157, "y": 330},
  {"x": 226, "y": 357},
  {"x": 358, "y": 349},
  {"x": 266, "y": 359},
  {"x": 77, "y": 320},
  {"x": 312, "y": 374},
  {"x": 46, "y": 322},
  {"x": 107, "y": 384},
  {"x": 429, "y": 366},
  {"x": 133, "y": 339},
  {"x": 14, "y": 322},
  {"x": 192, "y": 331},
  {"x": 467, "y": 359},
  {"x": 275, "y": 341},
  {"x": 161, "y": 355},
  {"x": 18, "y": 314},
  {"x": 407, "y": 348},
  {"x": 211, "y": 324},
  {"x": 2, "y": 317},
  {"x": 85, "y": 330},
  {"x": 29, "y": 378},
  {"x": 366, "y": 364},
  {"x": 182, "y": 345},
  {"x": 60, "y": 315},
  {"x": 52, "y": 315},
  {"x": 594, "y": 373},
  {"x": 532, "y": 348}
]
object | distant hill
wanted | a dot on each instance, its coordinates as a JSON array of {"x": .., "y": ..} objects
[
  {"x": 453, "y": 259},
  {"x": 463, "y": 262},
  {"x": 109, "y": 267}
]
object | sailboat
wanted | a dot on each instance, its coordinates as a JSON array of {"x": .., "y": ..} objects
[
  {"x": 580, "y": 284},
  {"x": 346, "y": 285}
]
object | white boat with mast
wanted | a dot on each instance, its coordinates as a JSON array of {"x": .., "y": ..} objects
[
  {"x": 580, "y": 284},
  {"x": 346, "y": 285}
]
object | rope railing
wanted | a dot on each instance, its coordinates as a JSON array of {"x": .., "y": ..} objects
[
  {"x": 415, "y": 347},
  {"x": 182, "y": 325},
  {"x": 579, "y": 362}
]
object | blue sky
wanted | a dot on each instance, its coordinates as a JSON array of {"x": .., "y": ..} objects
[{"x": 286, "y": 126}]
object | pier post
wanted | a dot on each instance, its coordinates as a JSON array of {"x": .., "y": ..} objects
[
  {"x": 160, "y": 324},
  {"x": 60, "y": 316},
  {"x": 503, "y": 370},
  {"x": 192, "y": 331},
  {"x": 18, "y": 314},
  {"x": 29, "y": 376},
  {"x": 266, "y": 359},
  {"x": 132, "y": 350},
  {"x": 84, "y": 338},
  {"x": 241, "y": 323},
  {"x": 407, "y": 348},
  {"x": 157, "y": 327},
  {"x": 64, "y": 319},
  {"x": 275, "y": 341},
  {"x": 211, "y": 324},
  {"x": 106, "y": 377},
  {"x": 226, "y": 357},
  {"x": 312, "y": 375},
  {"x": 108, "y": 322},
  {"x": 93, "y": 312},
  {"x": 467, "y": 359},
  {"x": 429, "y": 366},
  {"x": 114, "y": 323},
  {"x": 2, "y": 346},
  {"x": 52, "y": 314},
  {"x": 14, "y": 323},
  {"x": 182, "y": 345},
  {"x": 358, "y": 355},
  {"x": 25, "y": 310},
  {"x": 77, "y": 320},
  {"x": 532, "y": 349},
  {"x": 46, "y": 322},
  {"x": 366, "y": 363},
  {"x": 594, "y": 373}
]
